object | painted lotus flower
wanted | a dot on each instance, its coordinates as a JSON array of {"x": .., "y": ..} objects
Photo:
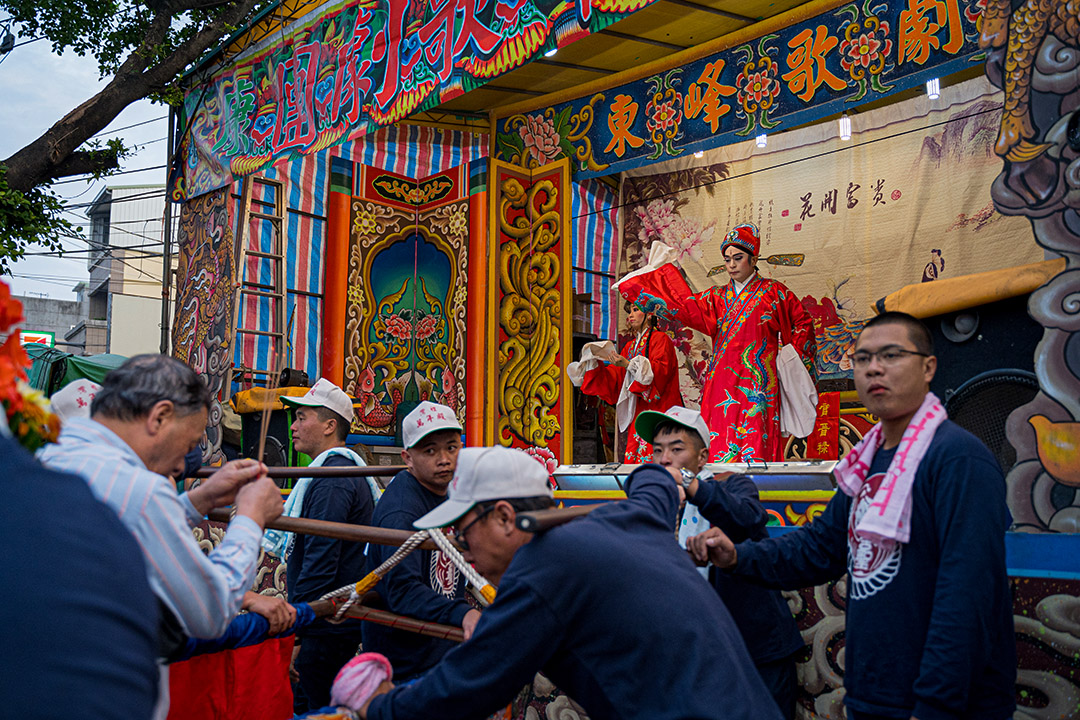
[
  {"x": 398, "y": 327},
  {"x": 865, "y": 51},
  {"x": 757, "y": 85},
  {"x": 457, "y": 224},
  {"x": 540, "y": 138},
  {"x": 655, "y": 218},
  {"x": 688, "y": 238},
  {"x": 664, "y": 116},
  {"x": 365, "y": 223},
  {"x": 545, "y": 457},
  {"x": 426, "y": 327}
]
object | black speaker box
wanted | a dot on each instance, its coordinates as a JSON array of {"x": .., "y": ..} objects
[
  {"x": 993, "y": 336},
  {"x": 276, "y": 452}
]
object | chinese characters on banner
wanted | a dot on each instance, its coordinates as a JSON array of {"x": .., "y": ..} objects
[
  {"x": 357, "y": 66},
  {"x": 824, "y": 442},
  {"x": 796, "y": 75}
]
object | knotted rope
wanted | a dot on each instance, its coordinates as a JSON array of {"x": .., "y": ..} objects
[{"x": 481, "y": 588}]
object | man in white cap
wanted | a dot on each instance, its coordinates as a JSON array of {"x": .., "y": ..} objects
[
  {"x": 425, "y": 585},
  {"x": 317, "y": 565},
  {"x": 607, "y": 606},
  {"x": 680, "y": 440}
]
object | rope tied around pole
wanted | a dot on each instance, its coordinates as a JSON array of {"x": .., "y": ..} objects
[{"x": 482, "y": 589}]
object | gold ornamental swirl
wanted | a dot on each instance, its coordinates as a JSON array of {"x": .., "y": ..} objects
[{"x": 529, "y": 312}]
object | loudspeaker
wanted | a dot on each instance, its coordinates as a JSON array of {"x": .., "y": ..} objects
[
  {"x": 276, "y": 453},
  {"x": 983, "y": 404},
  {"x": 995, "y": 336}
]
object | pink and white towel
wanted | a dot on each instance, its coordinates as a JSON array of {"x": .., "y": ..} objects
[{"x": 888, "y": 519}]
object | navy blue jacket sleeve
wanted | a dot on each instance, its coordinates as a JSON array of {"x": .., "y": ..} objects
[
  {"x": 244, "y": 630},
  {"x": 811, "y": 555},
  {"x": 326, "y": 499},
  {"x": 406, "y": 589},
  {"x": 968, "y": 587},
  {"x": 732, "y": 505},
  {"x": 514, "y": 638},
  {"x": 653, "y": 488}
]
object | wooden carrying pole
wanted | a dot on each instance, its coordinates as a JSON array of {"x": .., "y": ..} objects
[
  {"x": 540, "y": 520},
  {"x": 314, "y": 472},
  {"x": 339, "y": 531},
  {"x": 380, "y": 617}
]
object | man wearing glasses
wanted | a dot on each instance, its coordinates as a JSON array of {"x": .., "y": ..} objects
[
  {"x": 919, "y": 526},
  {"x": 608, "y": 606}
]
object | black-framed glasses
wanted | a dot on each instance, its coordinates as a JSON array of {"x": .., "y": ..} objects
[
  {"x": 459, "y": 535},
  {"x": 886, "y": 356}
]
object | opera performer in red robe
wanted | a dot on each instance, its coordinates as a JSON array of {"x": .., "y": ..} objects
[
  {"x": 645, "y": 376},
  {"x": 749, "y": 319}
]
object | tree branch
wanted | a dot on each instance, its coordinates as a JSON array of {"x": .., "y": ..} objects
[
  {"x": 45, "y": 158},
  {"x": 84, "y": 162}
]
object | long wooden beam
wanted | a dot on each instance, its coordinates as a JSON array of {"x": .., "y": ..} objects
[{"x": 339, "y": 531}]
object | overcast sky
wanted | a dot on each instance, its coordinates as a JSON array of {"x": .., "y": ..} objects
[{"x": 38, "y": 88}]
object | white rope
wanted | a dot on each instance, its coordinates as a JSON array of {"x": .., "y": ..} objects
[{"x": 476, "y": 580}]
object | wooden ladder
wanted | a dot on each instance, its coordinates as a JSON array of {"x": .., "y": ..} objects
[{"x": 275, "y": 292}]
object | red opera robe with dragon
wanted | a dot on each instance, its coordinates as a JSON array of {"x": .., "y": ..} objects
[
  {"x": 606, "y": 381},
  {"x": 740, "y": 400}
]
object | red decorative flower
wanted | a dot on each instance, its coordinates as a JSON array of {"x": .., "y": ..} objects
[
  {"x": 426, "y": 327},
  {"x": 664, "y": 113},
  {"x": 865, "y": 47},
  {"x": 757, "y": 85},
  {"x": 545, "y": 457},
  {"x": 540, "y": 138},
  {"x": 398, "y": 327}
]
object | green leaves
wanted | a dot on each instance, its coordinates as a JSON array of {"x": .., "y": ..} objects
[{"x": 31, "y": 218}]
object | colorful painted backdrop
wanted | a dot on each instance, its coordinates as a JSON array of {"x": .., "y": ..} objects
[
  {"x": 530, "y": 274},
  {"x": 405, "y": 317},
  {"x": 351, "y": 67},
  {"x": 842, "y": 224}
]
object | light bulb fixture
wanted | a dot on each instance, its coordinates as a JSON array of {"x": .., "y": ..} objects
[
  {"x": 845, "y": 127},
  {"x": 762, "y": 140},
  {"x": 933, "y": 88},
  {"x": 551, "y": 52},
  {"x": 699, "y": 154}
]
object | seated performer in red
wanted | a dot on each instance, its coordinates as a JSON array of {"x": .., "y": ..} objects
[
  {"x": 644, "y": 377},
  {"x": 749, "y": 319}
]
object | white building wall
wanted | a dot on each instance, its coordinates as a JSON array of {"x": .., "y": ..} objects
[{"x": 134, "y": 325}]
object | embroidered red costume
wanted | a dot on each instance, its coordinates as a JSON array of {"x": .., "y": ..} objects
[
  {"x": 606, "y": 381},
  {"x": 740, "y": 400}
]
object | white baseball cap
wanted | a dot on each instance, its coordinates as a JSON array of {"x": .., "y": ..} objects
[
  {"x": 646, "y": 422},
  {"x": 324, "y": 394},
  {"x": 73, "y": 400},
  {"x": 426, "y": 418},
  {"x": 488, "y": 473}
]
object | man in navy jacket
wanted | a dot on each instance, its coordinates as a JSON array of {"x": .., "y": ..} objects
[
  {"x": 929, "y": 620},
  {"x": 608, "y": 606},
  {"x": 680, "y": 440},
  {"x": 425, "y": 584}
]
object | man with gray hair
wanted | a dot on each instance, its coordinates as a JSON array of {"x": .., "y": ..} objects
[{"x": 150, "y": 412}]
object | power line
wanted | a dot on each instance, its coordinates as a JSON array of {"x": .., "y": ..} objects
[
  {"x": 129, "y": 198},
  {"x": 108, "y": 131},
  {"x": 90, "y": 178}
]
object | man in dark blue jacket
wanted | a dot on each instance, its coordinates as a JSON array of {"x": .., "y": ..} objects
[
  {"x": 317, "y": 565},
  {"x": 929, "y": 618},
  {"x": 608, "y": 606},
  {"x": 425, "y": 585},
  {"x": 82, "y": 632},
  {"x": 680, "y": 440}
]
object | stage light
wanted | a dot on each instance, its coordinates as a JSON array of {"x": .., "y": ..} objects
[
  {"x": 699, "y": 154},
  {"x": 762, "y": 140},
  {"x": 845, "y": 127},
  {"x": 933, "y": 88},
  {"x": 551, "y": 52}
]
